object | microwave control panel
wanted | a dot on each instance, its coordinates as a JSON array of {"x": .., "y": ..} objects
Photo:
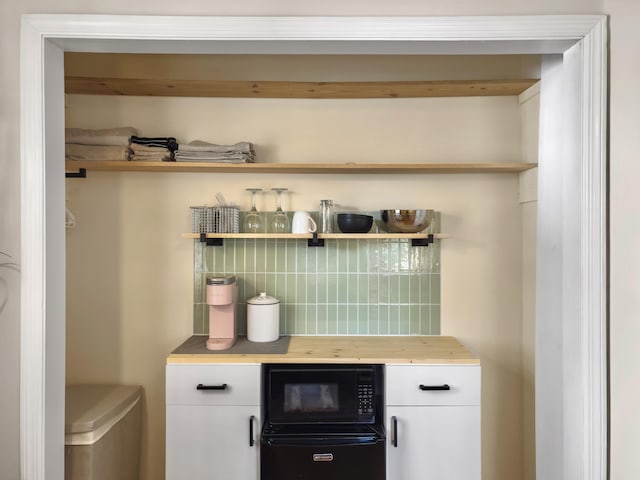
[
  {"x": 365, "y": 399},
  {"x": 366, "y": 402}
]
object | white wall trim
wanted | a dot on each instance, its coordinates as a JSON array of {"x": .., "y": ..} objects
[
  {"x": 594, "y": 253},
  {"x": 40, "y": 374},
  {"x": 315, "y": 28},
  {"x": 33, "y": 253}
]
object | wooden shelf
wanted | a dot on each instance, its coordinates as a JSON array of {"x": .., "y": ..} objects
[
  {"x": 285, "y": 89},
  {"x": 123, "y": 166},
  {"x": 321, "y": 236}
]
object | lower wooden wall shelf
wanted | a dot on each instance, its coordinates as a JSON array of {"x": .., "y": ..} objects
[{"x": 217, "y": 239}]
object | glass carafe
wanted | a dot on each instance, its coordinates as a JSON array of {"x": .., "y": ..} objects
[{"x": 326, "y": 216}]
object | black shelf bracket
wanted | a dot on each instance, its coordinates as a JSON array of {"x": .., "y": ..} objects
[
  {"x": 315, "y": 241},
  {"x": 211, "y": 242},
  {"x": 81, "y": 173},
  {"x": 422, "y": 242}
]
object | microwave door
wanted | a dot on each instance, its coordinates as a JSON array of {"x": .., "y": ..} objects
[{"x": 322, "y": 394}]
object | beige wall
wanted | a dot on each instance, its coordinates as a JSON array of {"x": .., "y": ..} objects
[
  {"x": 530, "y": 108},
  {"x": 624, "y": 194},
  {"x": 130, "y": 274},
  {"x": 624, "y": 236}
]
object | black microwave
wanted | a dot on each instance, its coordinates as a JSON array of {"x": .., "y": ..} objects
[{"x": 296, "y": 394}]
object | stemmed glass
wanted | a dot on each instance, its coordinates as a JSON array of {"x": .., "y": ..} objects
[
  {"x": 280, "y": 222},
  {"x": 253, "y": 221}
]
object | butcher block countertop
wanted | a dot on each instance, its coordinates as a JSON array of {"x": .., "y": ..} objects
[{"x": 338, "y": 349}]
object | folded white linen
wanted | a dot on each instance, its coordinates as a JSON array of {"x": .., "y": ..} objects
[
  {"x": 220, "y": 159},
  {"x": 200, "y": 146},
  {"x": 151, "y": 158},
  {"x": 96, "y": 152},
  {"x": 214, "y": 159},
  {"x": 106, "y": 136}
]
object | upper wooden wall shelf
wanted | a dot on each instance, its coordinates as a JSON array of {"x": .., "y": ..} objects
[
  {"x": 512, "y": 167},
  {"x": 284, "y": 89}
]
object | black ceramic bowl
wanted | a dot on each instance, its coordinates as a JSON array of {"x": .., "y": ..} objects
[{"x": 354, "y": 222}]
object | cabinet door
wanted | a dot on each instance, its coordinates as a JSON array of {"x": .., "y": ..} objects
[
  {"x": 433, "y": 443},
  {"x": 212, "y": 442}
]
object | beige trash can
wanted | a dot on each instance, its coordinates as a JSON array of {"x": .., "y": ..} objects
[{"x": 102, "y": 432}]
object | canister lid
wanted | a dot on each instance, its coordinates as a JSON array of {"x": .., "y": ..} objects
[
  {"x": 263, "y": 299},
  {"x": 216, "y": 279}
]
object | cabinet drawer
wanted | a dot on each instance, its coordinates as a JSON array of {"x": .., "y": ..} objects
[
  {"x": 219, "y": 384},
  {"x": 432, "y": 385}
]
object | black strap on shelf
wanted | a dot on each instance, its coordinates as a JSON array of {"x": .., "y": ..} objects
[{"x": 81, "y": 173}]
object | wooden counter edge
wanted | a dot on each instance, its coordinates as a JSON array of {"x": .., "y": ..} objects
[
  {"x": 204, "y": 359},
  {"x": 351, "y": 349}
]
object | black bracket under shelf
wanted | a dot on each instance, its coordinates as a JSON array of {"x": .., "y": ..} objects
[
  {"x": 211, "y": 242},
  {"x": 422, "y": 242},
  {"x": 81, "y": 173},
  {"x": 315, "y": 241}
]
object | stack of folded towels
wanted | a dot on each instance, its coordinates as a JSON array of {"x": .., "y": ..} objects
[
  {"x": 199, "y": 151},
  {"x": 101, "y": 144},
  {"x": 153, "y": 149}
]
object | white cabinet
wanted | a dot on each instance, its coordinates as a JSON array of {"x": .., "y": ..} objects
[
  {"x": 213, "y": 422},
  {"x": 432, "y": 417}
]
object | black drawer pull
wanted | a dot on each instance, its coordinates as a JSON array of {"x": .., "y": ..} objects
[
  {"x": 435, "y": 387},
  {"x": 211, "y": 387}
]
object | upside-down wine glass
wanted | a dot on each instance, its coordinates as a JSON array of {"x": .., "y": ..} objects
[
  {"x": 280, "y": 222},
  {"x": 253, "y": 221}
]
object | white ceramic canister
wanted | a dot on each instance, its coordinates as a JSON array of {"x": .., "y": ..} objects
[{"x": 263, "y": 318}]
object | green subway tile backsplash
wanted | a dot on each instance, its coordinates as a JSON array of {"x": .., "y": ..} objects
[{"x": 347, "y": 287}]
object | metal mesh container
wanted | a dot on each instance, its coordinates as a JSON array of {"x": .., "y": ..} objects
[
  {"x": 219, "y": 219},
  {"x": 228, "y": 220}
]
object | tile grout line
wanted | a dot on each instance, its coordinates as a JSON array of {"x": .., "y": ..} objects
[
  {"x": 316, "y": 273},
  {"x": 286, "y": 287},
  {"x": 358, "y": 285}
]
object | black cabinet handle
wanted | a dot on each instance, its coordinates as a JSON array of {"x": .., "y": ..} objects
[
  {"x": 434, "y": 387},
  {"x": 394, "y": 438},
  {"x": 251, "y": 419},
  {"x": 211, "y": 387}
]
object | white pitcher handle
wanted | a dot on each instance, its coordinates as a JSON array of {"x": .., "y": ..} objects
[{"x": 313, "y": 227}]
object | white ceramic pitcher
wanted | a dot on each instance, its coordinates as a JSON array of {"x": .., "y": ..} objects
[{"x": 303, "y": 223}]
